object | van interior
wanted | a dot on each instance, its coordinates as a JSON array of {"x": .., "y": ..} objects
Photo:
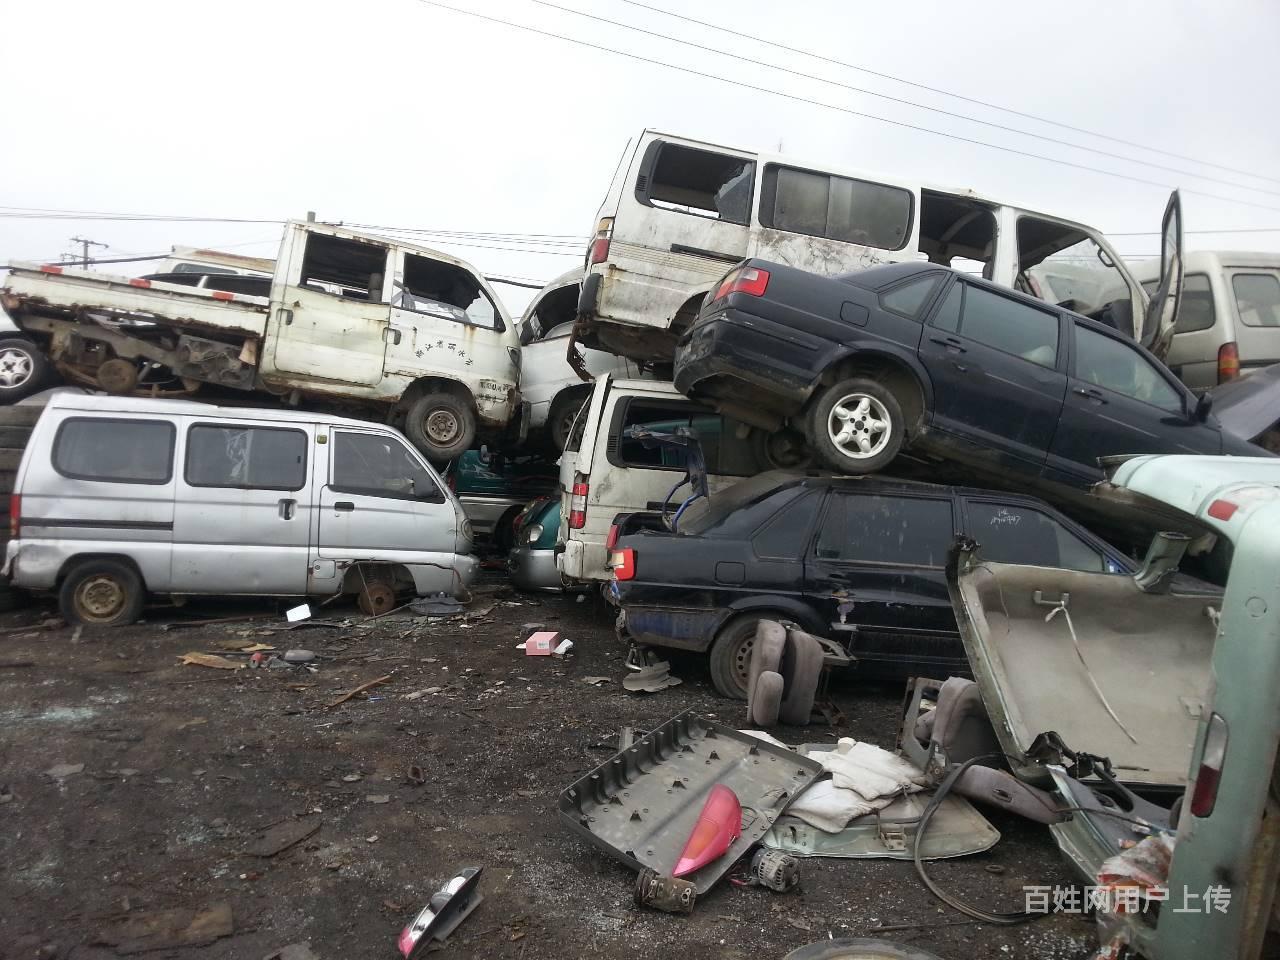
[
  {"x": 958, "y": 232},
  {"x": 555, "y": 309},
  {"x": 699, "y": 182},
  {"x": 1062, "y": 264}
]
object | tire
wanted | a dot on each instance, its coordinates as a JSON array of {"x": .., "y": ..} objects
[
  {"x": 869, "y": 417},
  {"x": 731, "y": 653},
  {"x": 23, "y": 369},
  {"x": 564, "y": 409},
  {"x": 784, "y": 449},
  {"x": 101, "y": 593},
  {"x": 441, "y": 425}
]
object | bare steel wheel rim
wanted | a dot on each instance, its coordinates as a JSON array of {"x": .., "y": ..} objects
[
  {"x": 859, "y": 426},
  {"x": 100, "y": 597},
  {"x": 742, "y": 660},
  {"x": 442, "y": 426},
  {"x": 15, "y": 367}
]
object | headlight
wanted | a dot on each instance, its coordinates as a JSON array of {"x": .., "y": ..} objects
[
  {"x": 531, "y": 534},
  {"x": 466, "y": 530}
]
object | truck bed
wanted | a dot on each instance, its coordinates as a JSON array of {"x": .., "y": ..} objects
[{"x": 64, "y": 292}]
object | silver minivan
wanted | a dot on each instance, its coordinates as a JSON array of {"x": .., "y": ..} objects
[{"x": 117, "y": 497}]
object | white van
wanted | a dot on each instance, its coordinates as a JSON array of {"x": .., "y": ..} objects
[
  {"x": 679, "y": 212},
  {"x": 1229, "y": 321},
  {"x": 117, "y": 497},
  {"x": 552, "y": 388},
  {"x": 604, "y": 473}
]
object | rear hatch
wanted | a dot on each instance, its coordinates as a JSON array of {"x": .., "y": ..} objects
[{"x": 1255, "y": 294}]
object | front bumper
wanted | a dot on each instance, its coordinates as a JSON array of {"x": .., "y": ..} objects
[{"x": 533, "y": 569}]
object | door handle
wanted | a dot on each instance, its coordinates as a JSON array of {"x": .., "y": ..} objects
[
  {"x": 344, "y": 506},
  {"x": 1094, "y": 395},
  {"x": 285, "y": 314},
  {"x": 951, "y": 343},
  {"x": 391, "y": 335},
  {"x": 287, "y": 509}
]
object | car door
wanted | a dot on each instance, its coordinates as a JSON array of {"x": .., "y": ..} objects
[
  {"x": 1121, "y": 401},
  {"x": 382, "y": 502},
  {"x": 1012, "y": 532},
  {"x": 994, "y": 362},
  {"x": 329, "y": 311},
  {"x": 243, "y": 511},
  {"x": 1163, "y": 308},
  {"x": 875, "y": 574}
]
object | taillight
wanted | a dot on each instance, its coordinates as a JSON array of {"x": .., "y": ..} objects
[
  {"x": 1205, "y": 794},
  {"x": 578, "y": 503},
  {"x": 611, "y": 541},
  {"x": 623, "y": 563},
  {"x": 749, "y": 280},
  {"x": 719, "y": 824},
  {"x": 15, "y": 516},
  {"x": 1228, "y": 362},
  {"x": 1223, "y": 510},
  {"x": 599, "y": 251}
]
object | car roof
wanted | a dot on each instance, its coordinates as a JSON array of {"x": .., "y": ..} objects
[
  {"x": 98, "y": 403},
  {"x": 885, "y": 485}
]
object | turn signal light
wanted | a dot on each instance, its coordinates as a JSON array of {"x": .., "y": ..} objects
[
  {"x": 749, "y": 280},
  {"x": 623, "y": 563},
  {"x": 599, "y": 250},
  {"x": 15, "y": 516},
  {"x": 578, "y": 503},
  {"x": 1228, "y": 362}
]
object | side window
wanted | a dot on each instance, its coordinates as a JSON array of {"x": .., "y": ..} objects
[
  {"x": 118, "y": 451},
  {"x": 1117, "y": 366},
  {"x": 783, "y": 535},
  {"x": 352, "y": 269},
  {"x": 1017, "y": 534},
  {"x": 444, "y": 290},
  {"x": 1196, "y": 310},
  {"x": 698, "y": 182},
  {"x": 947, "y": 316},
  {"x": 1008, "y": 325},
  {"x": 909, "y": 298},
  {"x": 837, "y": 208},
  {"x": 726, "y": 453},
  {"x": 879, "y": 529},
  {"x": 266, "y": 458},
  {"x": 1257, "y": 299},
  {"x": 378, "y": 465}
]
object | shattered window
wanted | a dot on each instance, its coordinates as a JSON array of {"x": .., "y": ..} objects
[
  {"x": 266, "y": 458},
  {"x": 1017, "y": 534},
  {"x": 376, "y": 465},
  {"x": 353, "y": 269},
  {"x": 119, "y": 451},
  {"x": 1114, "y": 365},
  {"x": 877, "y": 529},
  {"x": 699, "y": 182},
  {"x": 1257, "y": 299},
  {"x": 444, "y": 290},
  {"x": 837, "y": 208},
  {"x": 725, "y": 452}
]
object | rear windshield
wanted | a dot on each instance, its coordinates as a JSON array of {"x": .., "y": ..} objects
[{"x": 726, "y": 501}]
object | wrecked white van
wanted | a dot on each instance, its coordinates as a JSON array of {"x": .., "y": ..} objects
[{"x": 679, "y": 212}]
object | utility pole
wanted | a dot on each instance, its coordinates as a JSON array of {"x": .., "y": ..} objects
[{"x": 84, "y": 247}]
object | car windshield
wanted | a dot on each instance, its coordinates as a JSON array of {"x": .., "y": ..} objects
[{"x": 699, "y": 519}]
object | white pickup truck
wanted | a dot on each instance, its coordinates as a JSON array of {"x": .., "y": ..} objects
[{"x": 357, "y": 325}]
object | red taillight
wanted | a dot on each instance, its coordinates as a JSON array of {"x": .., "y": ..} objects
[
  {"x": 50, "y": 268},
  {"x": 1205, "y": 793},
  {"x": 749, "y": 280},
  {"x": 623, "y": 563},
  {"x": 578, "y": 503},
  {"x": 1223, "y": 509},
  {"x": 140, "y": 282},
  {"x": 15, "y": 516},
  {"x": 719, "y": 824},
  {"x": 223, "y": 295},
  {"x": 611, "y": 541},
  {"x": 599, "y": 250},
  {"x": 1228, "y": 362}
]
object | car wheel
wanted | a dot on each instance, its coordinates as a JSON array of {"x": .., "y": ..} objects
[
  {"x": 441, "y": 425},
  {"x": 784, "y": 449},
  {"x": 856, "y": 426},
  {"x": 23, "y": 368},
  {"x": 560, "y": 420},
  {"x": 101, "y": 593},
  {"x": 731, "y": 654}
]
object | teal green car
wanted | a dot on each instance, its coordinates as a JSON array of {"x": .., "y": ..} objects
[{"x": 532, "y": 561}]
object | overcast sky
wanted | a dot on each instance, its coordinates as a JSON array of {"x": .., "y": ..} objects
[{"x": 397, "y": 113}]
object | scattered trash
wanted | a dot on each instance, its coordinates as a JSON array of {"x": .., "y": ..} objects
[
  {"x": 294, "y": 951},
  {"x": 416, "y": 775},
  {"x": 282, "y": 836},
  {"x": 597, "y": 681},
  {"x": 352, "y": 778},
  {"x": 669, "y": 894},
  {"x": 448, "y": 907},
  {"x": 419, "y": 694},
  {"x": 360, "y": 689},
  {"x": 298, "y": 656},
  {"x": 564, "y": 647},
  {"x": 652, "y": 678},
  {"x": 774, "y": 870},
  {"x": 187, "y": 624},
  {"x": 169, "y": 929},
  {"x": 300, "y": 612},
  {"x": 437, "y": 605},
  {"x": 540, "y": 644},
  {"x": 209, "y": 660},
  {"x": 60, "y": 771},
  {"x": 378, "y": 797}
]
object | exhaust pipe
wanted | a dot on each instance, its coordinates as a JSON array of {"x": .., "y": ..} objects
[{"x": 1163, "y": 557}]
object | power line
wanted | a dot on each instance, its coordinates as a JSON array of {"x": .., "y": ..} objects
[
  {"x": 945, "y": 93},
  {"x": 910, "y": 103},
  {"x": 831, "y": 106},
  {"x": 1156, "y": 233}
]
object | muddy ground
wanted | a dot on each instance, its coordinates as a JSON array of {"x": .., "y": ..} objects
[{"x": 185, "y": 767}]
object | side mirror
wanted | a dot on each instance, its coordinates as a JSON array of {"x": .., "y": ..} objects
[{"x": 1203, "y": 406}]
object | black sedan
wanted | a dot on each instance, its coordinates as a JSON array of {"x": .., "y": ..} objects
[{"x": 858, "y": 560}]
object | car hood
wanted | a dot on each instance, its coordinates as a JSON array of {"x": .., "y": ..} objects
[{"x": 1250, "y": 406}]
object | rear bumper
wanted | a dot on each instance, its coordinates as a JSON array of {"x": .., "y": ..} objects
[
  {"x": 581, "y": 560},
  {"x": 731, "y": 354},
  {"x": 681, "y": 629},
  {"x": 532, "y": 569}
]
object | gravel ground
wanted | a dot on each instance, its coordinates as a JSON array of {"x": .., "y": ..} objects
[{"x": 185, "y": 767}]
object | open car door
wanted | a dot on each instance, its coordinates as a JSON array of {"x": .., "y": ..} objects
[{"x": 1162, "y": 311}]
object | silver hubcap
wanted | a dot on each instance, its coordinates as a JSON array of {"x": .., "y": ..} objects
[
  {"x": 442, "y": 426},
  {"x": 859, "y": 426},
  {"x": 15, "y": 368}
]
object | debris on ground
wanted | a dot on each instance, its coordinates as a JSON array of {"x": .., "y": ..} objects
[
  {"x": 169, "y": 929},
  {"x": 209, "y": 660},
  {"x": 654, "y": 677},
  {"x": 358, "y": 690},
  {"x": 300, "y": 612},
  {"x": 60, "y": 771},
  {"x": 449, "y": 906},
  {"x": 282, "y": 836}
]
